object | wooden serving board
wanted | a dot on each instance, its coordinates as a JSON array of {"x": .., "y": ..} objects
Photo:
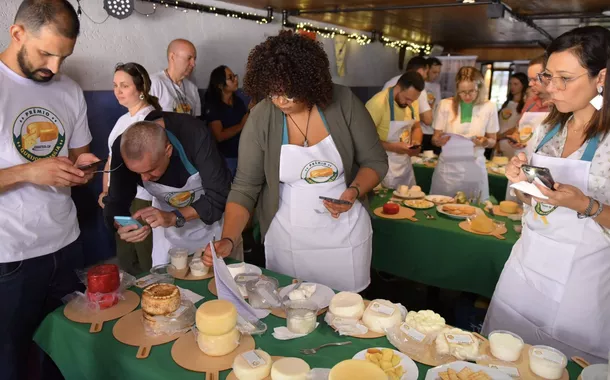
[
  {"x": 498, "y": 212},
  {"x": 185, "y": 274},
  {"x": 130, "y": 330},
  {"x": 497, "y": 233},
  {"x": 186, "y": 353},
  {"x": 404, "y": 213},
  {"x": 232, "y": 376},
  {"x": 522, "y": 364},
  {"x": 97, "y": 318}
]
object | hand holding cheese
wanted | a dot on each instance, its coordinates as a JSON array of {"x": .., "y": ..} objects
[{"x": 349, "y": 195}]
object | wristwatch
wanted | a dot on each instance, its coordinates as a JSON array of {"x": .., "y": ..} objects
[{"x": 180, "y": 221}]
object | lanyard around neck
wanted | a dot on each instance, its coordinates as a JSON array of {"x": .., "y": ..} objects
[
  {"x": 391, "y": 103},
  {"x": 589, "y": 151}
]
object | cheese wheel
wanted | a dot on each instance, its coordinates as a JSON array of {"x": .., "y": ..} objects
[
  {"x": 244, "y": 371},
  {"x": 425, "y": 321},
  {"x": 381, "y": 315},
  {"x": 500, "y": 160},
  {"x": 347, "y": 305},
  {"x": 391, "y": 208},
  {"x": 218, "y": 345},
  {"x": 481, "y": 223},
  {"x": 217, "y": 317},
  {"x": 403, "y": 189},
  {"x": 509, "y": 207},
  {"x": 356, "y": 370},
  {"x": 160, "y": 299},
  {"x": 459, "y": 349},
  {"x": 290, "y": 369}
]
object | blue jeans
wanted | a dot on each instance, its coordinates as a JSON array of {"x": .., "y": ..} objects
[{"x": 29, "y": 290}]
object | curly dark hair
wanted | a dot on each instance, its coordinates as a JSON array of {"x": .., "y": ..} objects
[{"x": 292, "y": 65}]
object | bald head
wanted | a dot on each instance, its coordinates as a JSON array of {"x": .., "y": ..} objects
[
  {"x": 143, "y": 138},
  {"x": 59, "y": 15},
  {"x": 181, "y": 57}
]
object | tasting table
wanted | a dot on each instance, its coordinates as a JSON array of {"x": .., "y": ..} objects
[
  {"x": 82, "y": 355},
  {"x": 497, "y": 182},
  {"x": 438, "y": 252}
]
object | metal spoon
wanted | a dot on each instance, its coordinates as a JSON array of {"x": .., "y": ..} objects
[
  {"x": 311, "y": 351},
  {"x": 429, "y": 217}
]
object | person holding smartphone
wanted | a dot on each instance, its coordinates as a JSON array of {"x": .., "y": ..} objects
[
  {"x": 555, "y": 287},
  {"x": 471, "y": 115},
  {"x": 395, "y": 112},
  {"x": 305, "y": 138}
]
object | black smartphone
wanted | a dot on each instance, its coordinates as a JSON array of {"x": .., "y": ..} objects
[
  {"x": 92, "y": 165},
  {"x": 336, "y": 201},
  {"x": 415, "y": 147},
  {"x": 543, "y": 174}
]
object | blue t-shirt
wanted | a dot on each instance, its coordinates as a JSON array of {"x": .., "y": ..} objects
[{"x": 228, "y": 117}]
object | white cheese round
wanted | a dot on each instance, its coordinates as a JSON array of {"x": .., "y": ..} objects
[
  {"x": 446, "y": 344},
  {"x": 381, "y": 315},
  {"x": 198, "y": 269},
  {"x": 218, "y": 345},
  {"x": 505, "y": 346},
  {"x": 290, "y": 369},
  {"x": 257, "y": 371},
  {"x": 347, "y": 305},
  {"x": 547, "y": 362},
  {"x": 425, "y": 321}
]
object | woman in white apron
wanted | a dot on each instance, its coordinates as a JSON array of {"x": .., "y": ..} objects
[
  {"x": 461, "y": 166},
  {"x": 510, "y": 113},
  {"x": 555, "y": 287},
  {"x": 306, "y": 139},
  {"x": 400, "y": 168}
]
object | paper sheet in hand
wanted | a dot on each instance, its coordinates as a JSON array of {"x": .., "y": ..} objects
[
  {"x": 529, "y": 188},
  {"x": 458, "y": 146},
  {"x": 228, "y": 290}
]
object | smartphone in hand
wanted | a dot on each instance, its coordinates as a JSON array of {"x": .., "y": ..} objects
[
  {"x": 336, "y": 201},
  {"x": 543, "y": 174},
  {"x": 125, "y": 221},
  {"x": 92, "y": 165}
]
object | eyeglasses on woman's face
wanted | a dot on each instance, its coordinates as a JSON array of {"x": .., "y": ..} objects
[
  {"x": 468, "y": 93},
  {"x": 282, "y": 98},
  {"x": 560, "y": 83},
  {"x": 232, "y": 77}
]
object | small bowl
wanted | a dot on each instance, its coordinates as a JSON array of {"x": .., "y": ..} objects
[
  {"x": 262, "y": 293},
  {"x": 179, "y": 257},
  {"x": 547, "y": 362},
  {"x": 505, "y": 355},
  {"x": 301, "y": 316},
  {"x": 161, "y": 271}
]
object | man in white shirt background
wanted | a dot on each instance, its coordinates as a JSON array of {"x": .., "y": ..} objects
[
  {"x": 45, "y": 138},
  {"x": 175, "y": 91},
  {"x": 420, "y": 65},
  {"x": 433, "y": 88}
]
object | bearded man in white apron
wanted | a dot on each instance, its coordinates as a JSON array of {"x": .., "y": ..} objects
[
  {"x": 186, "y": 176},
  {"x": 396, "y": 117}
]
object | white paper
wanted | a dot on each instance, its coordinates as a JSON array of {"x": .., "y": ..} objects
[
  {"x": 228, "y": 290},
  {"x": 190, "y": 295},
  {"x": 510, "y": 371},
  {"x": 459, "y": 338},
  {"x": 529, "y": 188},
  {"x": 415, "y": 334},
  {"x": 253, "y": 359},
  {"x": 383, "y": 309},
  {"x": 458, "y": 146},
  {"x": 282, "y": 333}
]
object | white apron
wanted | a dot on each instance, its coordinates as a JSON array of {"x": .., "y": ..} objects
[
  {"x": 400, "y": 169},
  {"x": 508, "y": 118},
  {"x": 465, "y": 173},
  {"x": 555, "y": 287},
  {"x": 304, "y": 241},
  {"x": 194, "y": 234}
]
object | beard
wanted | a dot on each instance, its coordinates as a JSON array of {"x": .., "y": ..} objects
[{"x": 29, "y": 71}]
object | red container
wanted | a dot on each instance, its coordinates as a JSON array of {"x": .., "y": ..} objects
[
  {"x": 103, "y": 279},
  {"x": 104, "y": 300}
]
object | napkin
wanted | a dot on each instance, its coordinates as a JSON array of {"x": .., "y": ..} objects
[
  {"x": 318, "y": 374},
  {"x": 529, "y": 188},
  {"x": 282, "y": 333}
]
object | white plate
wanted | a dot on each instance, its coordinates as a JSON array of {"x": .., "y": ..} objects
[
  {"x": 439, "y": 209},
  {"x": 458, "y": 366},
  {"x": 411, "y": 370},
  {"x": 397, "y": 194},
  {"x": 321, "y": 296},
  {"x": 249, "y": 268},
  {"x": 595, "y": 372},
  {"x": 440, "y": 199}
]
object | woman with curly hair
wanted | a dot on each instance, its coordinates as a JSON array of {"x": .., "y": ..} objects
[{"x": 306, "y": 138}]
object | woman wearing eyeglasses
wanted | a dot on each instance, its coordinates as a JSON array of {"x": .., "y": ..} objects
[
  {"x": 307, "y": 138},
  {"x": 225, "y": 113},
  {"x": 555, "y": 287},
  {"x": 131, "y": 88},
  {"x": 471, "y": 121}
]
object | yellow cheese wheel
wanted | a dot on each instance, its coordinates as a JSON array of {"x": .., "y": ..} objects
[
  {"x": 244, "y": 371},
  {"x": 290, "y": 369},
  {"x": 216, "y": 317},
  {"x": 218, "y": 345},
  {"x": 509, "y": 207},
  {"x": 482, "y": 224},
  {"x": 356, "y": 370}
]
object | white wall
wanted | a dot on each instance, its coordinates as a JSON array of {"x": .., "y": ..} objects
[{"x": 219, "y": 40}]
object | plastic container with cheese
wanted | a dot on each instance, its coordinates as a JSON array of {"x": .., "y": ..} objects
[
  {"x": 179, "y": 257},
  {"x": 301, "y": 316},
  {"x": 262, "y": 293},
  {"x": 180, "y": 320},
  {"x": 505, "y": 345},
  {"x": 547, "y": 362}
]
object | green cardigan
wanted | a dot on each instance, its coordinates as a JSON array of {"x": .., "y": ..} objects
[{"x": 257, "y": 179}]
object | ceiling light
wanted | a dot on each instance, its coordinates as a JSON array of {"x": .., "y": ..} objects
[{"x": 119, "y": 8}]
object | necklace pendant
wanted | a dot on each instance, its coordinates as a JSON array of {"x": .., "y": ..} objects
[{"x": 305, "y": 143}]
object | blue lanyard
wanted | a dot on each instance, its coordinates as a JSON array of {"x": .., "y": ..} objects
[
  {"x": 187, "y": 164},
  {"x": 391, "y": 102},
  {"x": 589, "y": 151}
]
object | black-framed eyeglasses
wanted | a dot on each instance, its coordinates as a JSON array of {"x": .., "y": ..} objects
[
  {"x": 468, "y": 93},
  {"x": 232, "y": 77},
  {"x": 282, "y": 97},
  {"x": 560, "y": 83}
]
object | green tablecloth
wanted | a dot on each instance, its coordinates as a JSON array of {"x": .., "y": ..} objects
[
  {"x": 438, "y": 252},
  {"x": 497, "y": 183},
  {"x": 81, "y": 355}
]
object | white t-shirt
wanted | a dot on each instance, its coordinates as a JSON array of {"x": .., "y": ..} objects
[
  {"x": 174, "y": 98},
  {"x": 38, "y": 120},
  {"x": 433, "y": 93},
  {"x": 121, "y": 125},
  {"x": 422, "y": 100}
]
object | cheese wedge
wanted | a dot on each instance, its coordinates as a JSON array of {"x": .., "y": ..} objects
[
  {"x": 28, "y": 141},
  {"x": 356, "y": 370}
]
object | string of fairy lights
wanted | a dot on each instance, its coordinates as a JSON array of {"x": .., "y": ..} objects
[{"x": 324, "y": 32}]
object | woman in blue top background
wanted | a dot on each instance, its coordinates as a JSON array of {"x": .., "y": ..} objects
[{"x": 225, "y": 113}]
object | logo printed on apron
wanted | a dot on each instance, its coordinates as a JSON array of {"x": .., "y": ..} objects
[
  {"x": 38, "y": 133},
  {"x": 506, "y": 113},
  {"x": 431, "y": 99},
  {"x": 319, "y": 172},
  {"x": 180, "y": 199}
]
